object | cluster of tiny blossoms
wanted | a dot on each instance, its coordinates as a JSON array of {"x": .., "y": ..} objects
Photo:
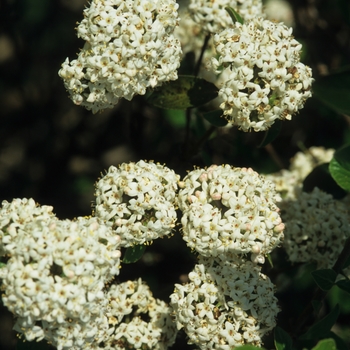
[
  {"x": 229, "y": 210},
  {"x": 129, "y": 47},
  {"x": 58, "y": 275},
  {"x": 225, "y": 304},
  {"x": 317, "y": 226},
  {"x": 55, "y": 273},
  {"x": 228, "y": 215},
  {"x": 138, "y": 200},
  {"x": 129, "y": 304},
  {"x": 265, "y": 78},
  {"x": 212, "y": 17}
]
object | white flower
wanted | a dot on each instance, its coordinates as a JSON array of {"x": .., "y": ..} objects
[
  {"x": 129, "y": 303},
  {"x": 225, "y": 305},
  {"x": 212, "y": 16},
  {"x": 57, "y": 272},
  {"x": 14, "y": 216},
  {"x": 129, "y": 47},
  {"x": 316, "y": 228},
  {"x": 138, "y": 201},
  {"x": 229, "y": 210},
  {"x": 265, "y": 80}
]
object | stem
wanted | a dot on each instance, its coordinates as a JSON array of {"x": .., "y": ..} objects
[{"x": 199, "y": 62}]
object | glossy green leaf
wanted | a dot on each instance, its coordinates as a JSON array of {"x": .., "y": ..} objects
[
  {"x": 340, "y": 174},
  {"x": 342, "y": 156},
  {"x": 344, "y": 285},
  {"x": 325, "y": 344},
  {"x": 248, "y": 347},
  {"x": 320, "y": 177},
  {"x": 132, "y": 254},
  {"x": 271, "y": 133},
  {"x": 234, "y": 15},
  {"x": 334, "y": 91},
  {"x": 325, "y": 278},
  {"x": 282, "y": 339},
  {"x": 185, "y": 92},
  {"x": 215, "y": 118},
  {"x": 319, "y": 329}
]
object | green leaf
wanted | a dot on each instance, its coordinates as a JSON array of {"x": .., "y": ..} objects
[
  {"x": 342, "y": 155},
  {"x": 215, "y": 118},
  {"x": 234, "y": 15},
  {"x": 340, "y": 174},
  {"x": 325, "y": 344},
  {"x": 271, "y": 133},
  {"x": 319, "y": 329},
  {"x": 248, "y": 347},
  {"x": 132, "y": 254},
  {"x": 325, "y": 278},
  {"x": 339, "y": 167},
  {"x": 185, "y": 92},
  {"x": 334, "y": 91},
  {"x": 282, "y": 339},
  {"x": 344, "y": 285},
  {"x": 320, "y": 177}
]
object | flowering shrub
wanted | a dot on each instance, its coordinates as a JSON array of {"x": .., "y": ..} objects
[{"x": 63, "y": 280}]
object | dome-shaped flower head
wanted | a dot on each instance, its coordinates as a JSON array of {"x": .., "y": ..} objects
[
  {"x": 265, "y": 79},
  {"x": 57, "y": 272},
  {"x": 212, "y": 16},
  {"x": 14, "y": 216},
  {"x": 316, "y": 228},
  {"x": 138, "y": 320},
  {"x": 138, "y": 201},
  {"x": 225, "y": 305},
  {"x": 229, "y": 210},
  {"x": 129, "y": 47}
]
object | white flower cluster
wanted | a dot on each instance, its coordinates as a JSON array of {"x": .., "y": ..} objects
[
  {"x": 129, "y": 47},
  {"x": 138, "y": 200},
  {"x": 289, "y": 182},
  {"x": 316, "y": 228},
  {"x": 129, "y": 304},
  {"x": 13, "y": 218},
  {"x": 225, "y": 305},
  {"x": 266, "y": 80},
  {"x": 212, "y": 16},
  {"x": 55, "y": 274},
  {"x": 231, "y": 211}
]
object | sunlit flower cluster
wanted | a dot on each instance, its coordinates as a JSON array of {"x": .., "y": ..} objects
[
  {"x": 266, "y": 79},
  {"x": 225, "y": 305},
  {"x": 130, "y": 303},
  {"x": 14, "y": 216},
  {"x": 229, "y": 210},
  {"x": 316, "y": 228},
  {"x": 55, "y": 274},
  {"x": 129, "y": 47},
  {"x": 138, "y": 200},
  {"x": 212, "y": 17}
]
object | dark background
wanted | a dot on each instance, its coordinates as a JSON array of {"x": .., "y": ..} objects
[{"x": 54, "y": 151}]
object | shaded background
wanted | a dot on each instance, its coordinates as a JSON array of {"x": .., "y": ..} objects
[{"x": 54, "y": 151}]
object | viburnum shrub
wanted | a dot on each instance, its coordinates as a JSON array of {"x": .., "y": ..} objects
[{"x": 59, "y": 276}]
